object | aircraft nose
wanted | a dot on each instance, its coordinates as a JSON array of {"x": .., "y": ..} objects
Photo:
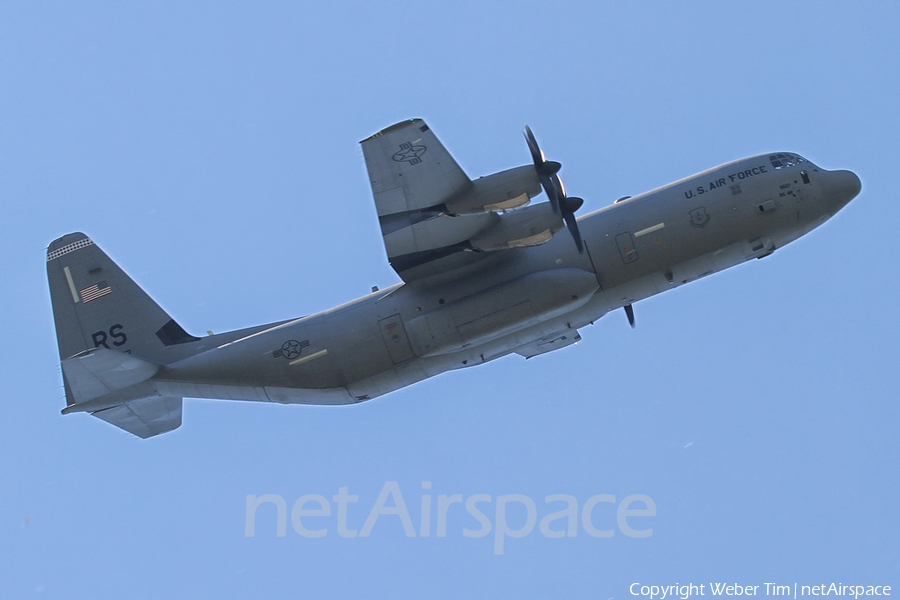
[{"x": 843, "y": 186}]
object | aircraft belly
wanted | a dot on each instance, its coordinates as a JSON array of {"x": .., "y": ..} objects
[
  {"x": 613, "y": 298},
  {"x": 500, "y": 310},
  {"x": 283, "y": 395},
  {"x": 361, "y": 351},
  {"x": 391, "y": 379}
]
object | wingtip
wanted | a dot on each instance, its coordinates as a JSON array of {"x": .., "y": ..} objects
[{"x": 395, "y": 126}]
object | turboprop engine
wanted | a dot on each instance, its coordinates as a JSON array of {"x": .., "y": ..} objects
[{"x": 501, "y": 191}]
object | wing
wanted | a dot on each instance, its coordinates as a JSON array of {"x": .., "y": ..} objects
[
  {"x": 410, "y": 169},
  {"x": 413, "y": 176},
  {"x": 433, "y": 218}
]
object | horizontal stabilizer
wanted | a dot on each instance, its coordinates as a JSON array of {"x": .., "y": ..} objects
[
  {"x": 145, "y": 417},
  {"x": 98, "y": 372}
]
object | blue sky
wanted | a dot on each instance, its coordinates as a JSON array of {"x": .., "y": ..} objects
[{"x": 212, "y": 151}]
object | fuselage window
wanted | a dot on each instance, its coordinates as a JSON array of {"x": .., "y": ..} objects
[
  {"x": 805, "y": 176},
  {"x": 783, "y": 161}
]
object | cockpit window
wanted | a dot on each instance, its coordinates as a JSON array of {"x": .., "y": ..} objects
[{"x": 783, "y": 161}]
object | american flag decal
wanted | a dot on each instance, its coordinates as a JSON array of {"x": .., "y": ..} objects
[{"x": 95, "y": 291}]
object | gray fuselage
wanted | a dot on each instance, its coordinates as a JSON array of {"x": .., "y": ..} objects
[{"x": 529, "y": 301}]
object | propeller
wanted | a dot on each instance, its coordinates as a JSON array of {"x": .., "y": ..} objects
[
  {"x": 563, "y": 206},
  {"x": 629, "y": 311}
]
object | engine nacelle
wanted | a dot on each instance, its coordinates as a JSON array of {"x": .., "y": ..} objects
[
  {"x": 527, "y": 226},
  {"x": 501, "y": 191}
]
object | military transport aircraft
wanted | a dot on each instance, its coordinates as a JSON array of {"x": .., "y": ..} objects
[{"x": 484, "y": 274}]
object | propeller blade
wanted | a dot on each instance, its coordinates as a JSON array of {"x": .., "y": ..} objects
[
  {"x": 573, "y": 204},
  {"x": 630, "y": 312},
  {"x": 569, "y": 206},
  {"x": 560, "y": 186},
  {"x": 547, "y": 170},
  {"x": 551, "y": 167},
  {"x": 536, "y": 155},
  {"x": 556, "y": 192},
  {"x": 572, "y": 225}
]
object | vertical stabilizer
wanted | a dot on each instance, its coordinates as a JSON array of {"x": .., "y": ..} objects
[
  {"x": 96, "y": 305},
  {"x": 112, "y": 339}
]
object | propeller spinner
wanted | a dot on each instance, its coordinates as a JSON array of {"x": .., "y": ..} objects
[{"x": 563, "y": 206}]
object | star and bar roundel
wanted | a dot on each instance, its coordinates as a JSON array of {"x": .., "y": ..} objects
[
  {"x": 290, "y": 349},
  {"x": 410, "y": 153}
]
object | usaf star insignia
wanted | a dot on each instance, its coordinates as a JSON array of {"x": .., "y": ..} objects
[
  {"x": 290, "y": 349},
  {"x": 409, "y": 153}
]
